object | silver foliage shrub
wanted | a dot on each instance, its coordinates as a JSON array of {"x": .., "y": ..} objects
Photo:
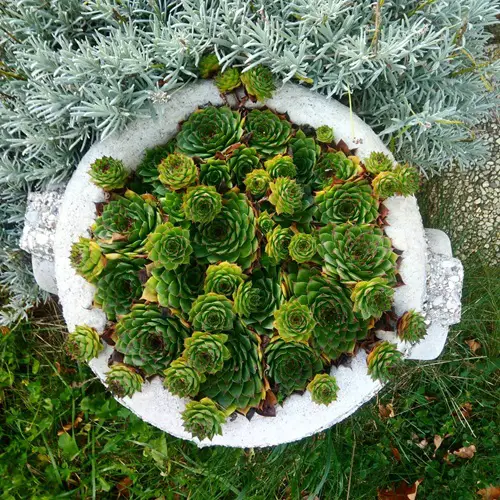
[{"x": 72, "y": 72}]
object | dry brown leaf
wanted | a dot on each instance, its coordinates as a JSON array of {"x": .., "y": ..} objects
[
  {"x": 404, "y": 491},
  {"x": 466, "y": 410},
  {"x": 465, "y": 452},
  {"x": 474, "y": 345},
  {"x": 423, "y": 444},
  {"x": 4, "y": 330},
  {"x": 490, "y": 493},
  {"x": 396, "y": 454},
  {"x": 386, "y": 411},
  {"x": 438, "y": 441},
  {"x": 430, "y": 398},
  {"x": 71, "y": 425},
  {"x": 123, "y": 487}
]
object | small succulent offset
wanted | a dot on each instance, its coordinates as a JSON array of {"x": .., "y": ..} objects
[{"x": 246, "y": 255}]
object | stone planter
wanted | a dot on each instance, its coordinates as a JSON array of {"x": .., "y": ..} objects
[{"x": 423, "y": 258}]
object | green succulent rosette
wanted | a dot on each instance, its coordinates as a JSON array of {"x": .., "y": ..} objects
[
  {"x": 303, "y": 247},
  {"x": 87, "y": 259},
  {"x": 382, "y": 359},
  {"x": 202, "y": 203},
  {"x": 125, "y": 223},
  {"x": 337, "y": 165},
  {"x": 378, "y": 162},
  {"x": 208, "y": 66},
  {"x": 357, "y": 253},
  {"x": 223, "y": 278},
  {"x": 203, "y": 419},
  {"x": 123, "y": 380},
  {"x": 206, "y": 352},
  {"x": 182, "y": 380},
  {"x": 239, "y": 385},
  {"x": 278, "y": 241},
  {"x": 216, "y": 173},
  {"x": 291, "y": 365},
  {"x": 325, "y": 134},
  {"x": 169, "y": 246},
  {"x": 149, "y": 339},
  {"x": 108, "y": 173},
  {"x": 305, "y": 154},
  {"x": 242, "y": 161},
  {"x": 411, "y": 326},
  {"x": 228, "y": 80},
  {"x": 259, "y": 83},
  {"x": 256, "y": 300},
  {"x": 347, "y": 202},
  {"x": 286, "y": 195},
  {"x": 212, "y": 312},
  {"x": 231, "y": 236},
  {"x": 372, "y": 298},
  {"x": 409, "y": 178},
  {"x": 171, "y": 205},
  {"x": 386, "y": 184},
  {"x": 177, "y": 288},
  {"x": 265, "y": 222},
  {"x": 84, "y": 343},
  {"x": 269, "y": 134},
  {"x": 177, "y": 171},
  {"x": 257, "y": 182},
  {"x": 209, "y": 130},
  {"x": 281, "y": 166},
  {"x": 323, "y": 389},
  {"x": 294, "y": 321},
  {"x": 118, "y": 287},
  {"x": 147, "y": 170}
]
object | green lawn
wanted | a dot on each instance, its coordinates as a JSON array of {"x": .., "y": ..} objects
[{"x": 110, "y": 453}]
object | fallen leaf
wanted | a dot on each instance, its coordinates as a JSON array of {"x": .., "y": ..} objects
[
  {"x": 4, "y": 330},
  {"x": 267, "y": 407},
  {"x": 438, "y": 441},
  {"x": 474, "y": 345},
  {"x": 396, "y": 454},
  {"x": 404, "y": 491},
  {"x": 465, "y": 452},
  {"x": 430, "y": 398},
  {"x": 386, "y": 411},
  {"x": 123, "y": 487},
  {"x": 446, "y": 459},
  {"x": 466, "y": 410},
  {"x": 71, "y": 425},
  {"x": 490, "y": 493},
  {"x": 423, "y": 444}
]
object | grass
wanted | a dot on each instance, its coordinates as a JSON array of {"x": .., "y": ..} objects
[{"x": 63, "y": 436}]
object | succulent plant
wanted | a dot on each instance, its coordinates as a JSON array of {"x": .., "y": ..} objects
[
  {"x": 223, "y": 278},
  {"x": 84, "y": 343},
  {"x": 202, "y": 203},
  {"x": 286, "y": 195},
  {"x": 147, "y": 170},
  {"x": 206, "y": 352},
  {"x": 294, "y": 321},
  {"x": 372, "y": 298},
  {"x": 382, "y": 359},
  {"x": 259, "y": 83},
  {"x": 242, "y": 161},
  {"x": 348, "y": 202},
  {"x": 278, "y": 241},
  {"x": 203, "y": 419},
  {"x": 208, "y": 66},
  {"x": 386, "y": 184},
  {"x": 125, "y": 223},
  {"x": 239, "y": 385},
  {"x": 216, "y": 173},
  {"x": 378, "y": 162},
  {"x": 291, "y": 365},
  {"x": 411, "y": 326},
  {"x": 87, "y": 259},
  {"x": 209, "y": 130},
  {"x": 228, "y": 80},
  {"x": 171, "y": 205},
  {"x": 305, "y": 153},
  {"x": 357, "y": 252},
  {"x": 231, "y": 236},
  {"x": 169, "y": 246},
  {"x": 323, "y": 389},
  {"x": 303, "y": 247},
  {"x": 118, "y": 287},
  {"x": 177, "y": 171},
  {"x": 108, "y": 173},
  {"x": 182, "y": 380},
  {"x": 265, "y": 222},
  {"x": 281, "y": 166},
  {"x": 409, "y": 178},
  {"x": 212, "y": 312},
  {"x": 337, "y": 165},
  {"x": 123, "y": 380},
  {"x": 149, "y": 339},
  {"x": 269, "y": 133},
  {"x": 324, "y": 134},
  {"x": 257, "y": 182}
]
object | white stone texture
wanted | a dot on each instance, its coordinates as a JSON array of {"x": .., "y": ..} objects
[{"x": 298, "y": 417}]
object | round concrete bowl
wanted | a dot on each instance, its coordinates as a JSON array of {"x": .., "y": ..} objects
[{"x": 299, "y": 416}]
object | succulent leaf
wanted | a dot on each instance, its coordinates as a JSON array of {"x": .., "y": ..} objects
[
  {"x": 323, "y": 389},
  {"x": 177, "y": 171},
  {"x": 203, "y": 419},
  {"x": 259, "y": 83},
  {"x": 286, "y": 195},
  {"x": 303, "y": 247},
  {"x": 212, "y": 312},
  {"x": 382, "y": 359},
  {"x": 208, "y": 66},
  {"x": 257, "y": 182},
  {"x": 242, "y": 161},
  {"x": 87, "y": 259},
  {"x": 182, "y": 380},
  {"x": 206, "y": 352},
  {"x": 223, "y": 278},
  {"x": 269, "y": 133},
  {"x": 294, "y": 321},
  {"x": 202, "y": 203},
  {"x": 281, "y": 166},
  {"x": 108, "y": 173},
  {"x": 324, "y": 134},
  {"x": 411, "y": 326},
  {"x": 123, "y": 380},
  {"x": 378, "y": 162},
  {"x": 228, "y": 80},
  {"x": 372, "y": 298},
  {"x": 305, "y": 154},
  {"x": 84, "y": 343}
]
